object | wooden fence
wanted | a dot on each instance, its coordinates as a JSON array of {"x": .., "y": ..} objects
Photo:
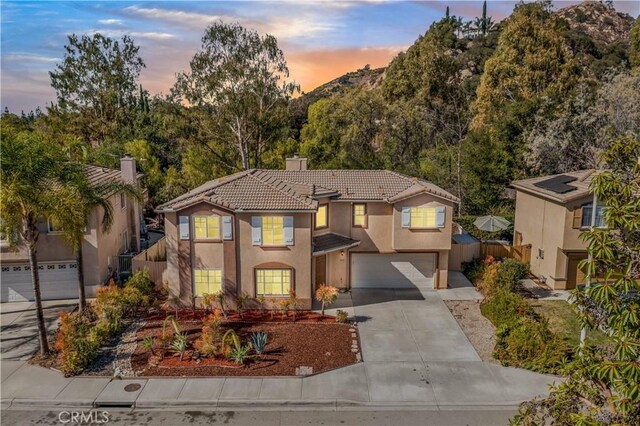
[
  {"x": 461, "y": 253},
  {"x": 154, "y": 259},
  {"x": 497, "y": 249}
]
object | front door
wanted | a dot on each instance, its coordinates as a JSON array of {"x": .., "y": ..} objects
[
  {"x": 575, "y": 275},
  {"x": 321, "y": 270}
]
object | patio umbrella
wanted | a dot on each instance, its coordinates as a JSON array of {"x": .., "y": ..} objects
[{"x": 491, "y": 223}]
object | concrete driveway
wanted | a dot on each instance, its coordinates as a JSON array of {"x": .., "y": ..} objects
[
  {"x": 18, "y": 328},
  {"x": 408, "y": 325}
]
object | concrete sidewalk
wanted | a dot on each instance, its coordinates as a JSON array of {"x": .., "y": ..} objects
[{"x": 430, "y": 386}]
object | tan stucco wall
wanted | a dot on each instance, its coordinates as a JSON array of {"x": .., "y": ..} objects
[
  {"x": 297, "y": 256},
  {"x": 547, "y": 225},
  {"x": 99, "y": 249},
  {"x": 406, "y": 239}
]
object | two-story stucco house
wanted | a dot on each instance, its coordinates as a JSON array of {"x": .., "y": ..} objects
[
  {"x": 551, "y": 211},
  {"x": 269, "y": 232},
  {"x": 57, "y": 261}
]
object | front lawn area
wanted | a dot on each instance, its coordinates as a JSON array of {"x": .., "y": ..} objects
[{"x": 563, "y": 320}]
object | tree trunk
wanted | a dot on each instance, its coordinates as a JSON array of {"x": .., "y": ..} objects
[
  {"x": 82, "y": 300},
  {"x": 35, "y": 278}
]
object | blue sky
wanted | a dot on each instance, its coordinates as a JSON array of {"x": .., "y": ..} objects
[{"x": 321, "y": 40}]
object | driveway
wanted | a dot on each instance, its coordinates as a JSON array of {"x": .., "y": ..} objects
[{"x": 19, "y": 330}]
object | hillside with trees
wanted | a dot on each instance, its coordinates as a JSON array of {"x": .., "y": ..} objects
[{"x": 469, "y": 106}]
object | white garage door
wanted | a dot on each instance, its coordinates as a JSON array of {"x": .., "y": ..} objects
[
  {"x": 58, "y": 280},
  {"x": 399, "y": 270}
]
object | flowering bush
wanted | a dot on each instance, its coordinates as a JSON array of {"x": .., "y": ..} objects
[{"x": 326, "y": 294}]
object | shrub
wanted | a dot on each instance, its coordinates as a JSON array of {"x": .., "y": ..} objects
[
  {"x": 208, "y": 301},
  {"x": 294, "y": 303},
  {"x": 76, "y": 348},
  {"x": 342, "y": 316},
  {"x": 240, "y": 354},
  {"x": 505, "y": 307},
  {"x": 141, "y": 281},
  {"x": 241, "y": 303},
  {"x": 473, "y": 270},
  {"x": 109, "y": 307},
  {"x": 208, "y": 342},
  {"x": 179, "y": 343},
  {"x": 147, "y": 343},
  {"x": 259, "y": 341},
  {"x": 220, "y": 296},
  {"x": 530, "y": 344},
  {"x": 262, "y": 303},
  {"x": 327, "y": 295},
  {"x": 509, "y": 274}
]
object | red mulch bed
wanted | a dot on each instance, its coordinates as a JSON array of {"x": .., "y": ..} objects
[
  {"x": 249, "y": 316},
  {"x": 319, "y": 343}
]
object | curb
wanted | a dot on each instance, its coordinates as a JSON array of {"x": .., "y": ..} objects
[{"x": 253, "y": 405}]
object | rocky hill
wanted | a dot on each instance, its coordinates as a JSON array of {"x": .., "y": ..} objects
[{"x": 596, "y": 20}]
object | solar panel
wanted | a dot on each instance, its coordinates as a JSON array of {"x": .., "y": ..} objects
[{"x": 558, "y": 184}]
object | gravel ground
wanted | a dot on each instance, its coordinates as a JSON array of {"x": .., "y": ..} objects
[{"x": 479, "y": 330}]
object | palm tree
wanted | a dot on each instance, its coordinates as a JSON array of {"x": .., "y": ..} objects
[
  {"x": 92, "y": 198},
  {"x": 36, "y": 181}
]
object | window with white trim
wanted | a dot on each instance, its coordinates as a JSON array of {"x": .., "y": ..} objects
[
  {"x": 206, "y": 227},
  {"x": 423, "y": 217},
  {"x": 207, "y": 281},
  {"x": 273, "y": 282},
  {"x": 587, "y": 210},
  {"x": 273, "y": 230}
]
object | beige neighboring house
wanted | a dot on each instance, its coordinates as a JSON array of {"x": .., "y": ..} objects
[
  {"x": 267, "y": 232},
  {"x": 56, "y": 260},
  {"x": 551, "y": 211}
]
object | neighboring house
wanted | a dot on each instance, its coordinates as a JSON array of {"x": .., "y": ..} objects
[
  {"x": 551, "y": 211},
  {"x": 57, "y": 261},
  {"x": 268, "y": 232}
]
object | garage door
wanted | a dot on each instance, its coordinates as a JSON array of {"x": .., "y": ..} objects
[
  {"x": 399, "y": 270},
  {"x": 58, "y": 280}
]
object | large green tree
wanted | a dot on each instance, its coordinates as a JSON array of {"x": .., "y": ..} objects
[
  {"x": 37, "y": 182},
  {"x": 96, "y": 88},
  {"x": 241, "y": 78},
  {"x": 602, "y": 385}
]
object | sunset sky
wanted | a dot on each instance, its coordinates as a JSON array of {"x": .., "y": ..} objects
[{"x": 321, "y": 40}]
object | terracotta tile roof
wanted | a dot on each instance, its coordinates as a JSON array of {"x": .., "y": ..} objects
[
  {"x": 330, "y": 242},
  {"x": 100, "y": 175},
  {"x": 259, "y": 189},
  {"x": 582, "y": 182}
]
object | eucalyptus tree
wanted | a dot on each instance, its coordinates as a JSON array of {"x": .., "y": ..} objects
[
  {"x": 241, "y": 78},
  {"x": 37, "y": 182}
]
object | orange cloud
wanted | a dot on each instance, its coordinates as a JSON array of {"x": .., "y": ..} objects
[{"x": 312, "y": 68}]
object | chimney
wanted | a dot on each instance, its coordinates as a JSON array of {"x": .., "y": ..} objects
[
  {"x": 128, "y": 169},
  {"x": 296, "y": 163}
]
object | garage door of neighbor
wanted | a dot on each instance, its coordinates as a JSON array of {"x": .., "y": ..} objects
[
  {"x": 398, "y": 270},
  {"x": 58, "y": 280}
]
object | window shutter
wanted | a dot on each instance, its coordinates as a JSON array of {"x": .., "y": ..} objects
[
  {"x": 227, "y": 228},
  {"x": 406, "y": 217},
  {"x": 256, "y": 230},
  {"x": 440, "y": 216},
  {"x": 184, "y": 227},
  {"x": 288, "y": 230},
  {"x": 577, "y": 218}
]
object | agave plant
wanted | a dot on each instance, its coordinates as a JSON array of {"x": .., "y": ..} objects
[
  {"x": 179, "y": 344},
  {"x": 240, "y": 354},
  {"x": 259, "y": 341},
  {"x": 147, "y": 343}
]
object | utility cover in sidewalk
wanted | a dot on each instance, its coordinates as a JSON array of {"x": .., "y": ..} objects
[{"x": 120, "y": 393}]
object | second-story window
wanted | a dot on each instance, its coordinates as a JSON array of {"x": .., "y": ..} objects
[
  {"x": 322, "y": 216},
  {"x": 206, "y": 227},
  {"x": 360, "y": 215},
  {"x": 587, "y": 211},
  {"x": 423, "y": 217},
  {"x": 123, "y": 200},
  {"x": 273, "y": 230}
]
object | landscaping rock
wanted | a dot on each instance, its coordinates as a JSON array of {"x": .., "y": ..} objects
[{"x": 126, "y": 347}]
